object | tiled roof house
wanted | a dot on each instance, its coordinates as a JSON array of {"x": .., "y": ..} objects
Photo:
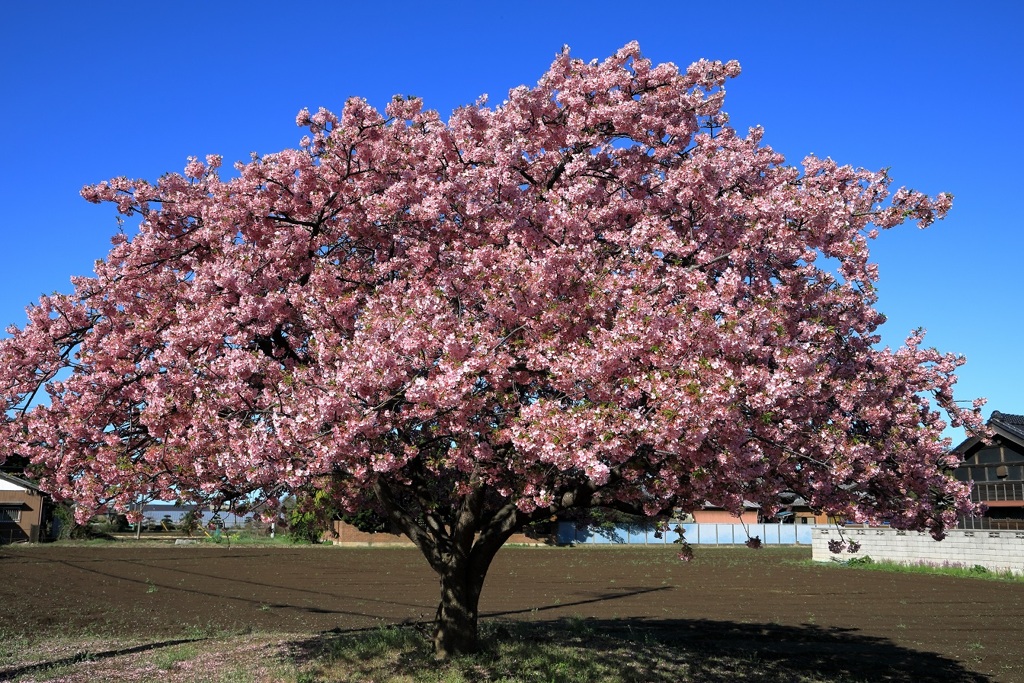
[{"x": 996, "y": 466}]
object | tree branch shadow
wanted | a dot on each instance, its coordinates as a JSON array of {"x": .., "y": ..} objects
[
  {"x": 665, "y": 651},
  {"x": 708, "y": 649},
  {"x": 86, "y": 656}
]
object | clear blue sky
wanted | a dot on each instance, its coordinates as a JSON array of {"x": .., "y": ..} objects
[{"x": 90, "y": 91}]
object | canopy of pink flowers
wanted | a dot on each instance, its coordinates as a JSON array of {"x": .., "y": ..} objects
[{"x": 597, "y": 281}]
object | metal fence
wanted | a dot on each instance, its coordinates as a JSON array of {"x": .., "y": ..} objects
[{"x": 570, "y": 533}]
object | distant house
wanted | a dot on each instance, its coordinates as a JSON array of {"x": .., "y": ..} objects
[
  {"x": 796, "y": 510},
  {"x": 25, "y": 511},
  {"x": 712, "y": 514},
  {"x": 996, "y": 466},
  {"x": 793, "y": 510}
]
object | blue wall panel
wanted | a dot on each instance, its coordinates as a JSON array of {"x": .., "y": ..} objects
[{"x": 695, "y": 534}]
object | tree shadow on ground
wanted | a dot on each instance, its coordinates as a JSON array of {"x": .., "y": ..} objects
[{"x": 656, "y": 651}]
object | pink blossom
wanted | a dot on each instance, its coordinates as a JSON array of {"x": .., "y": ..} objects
[{"x": 194, "y": 169}]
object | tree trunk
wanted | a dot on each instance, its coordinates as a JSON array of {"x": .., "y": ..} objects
[
  {"x": 460, "y": 550},
  {"x": 455, "y": 632}
]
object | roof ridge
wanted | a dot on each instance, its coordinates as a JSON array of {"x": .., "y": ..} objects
[{"x": 19, "y": 481}]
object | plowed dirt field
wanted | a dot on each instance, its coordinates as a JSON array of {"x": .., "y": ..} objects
[{"x": 887, "y": 626}]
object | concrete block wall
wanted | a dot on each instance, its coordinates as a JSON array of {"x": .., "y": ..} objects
[{"x": 997, "y": 551}]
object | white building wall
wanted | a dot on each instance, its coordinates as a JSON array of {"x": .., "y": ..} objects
[{"x": 997, "y": 551}]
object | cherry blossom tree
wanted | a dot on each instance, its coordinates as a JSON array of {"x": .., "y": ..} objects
[{"x": 595, "y": 294}]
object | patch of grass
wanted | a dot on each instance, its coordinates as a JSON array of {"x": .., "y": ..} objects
[
  {"x": 572, "y": 650},
  {"x": 167, "y": 658},
  {"x": 244, "y": 537},
  {"x": 946, "y": 569},
  {"x": 372, "y": 646},
  {"x": 12, "y": 645},
  {"x": 511, "y": 652},
  {"x": 210, "y": 631},
  {"x": 161, "y": 539},
  {"x": 50, "y": 673},
  {"x": 17, "y": 648},
  {"x": 569, "y": 650},
  {"x": 279, "y": 673},
  {"x": 52, "y": 656},
  {"x": 226, "y": 659}
]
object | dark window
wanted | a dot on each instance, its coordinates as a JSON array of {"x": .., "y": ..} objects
[
  {"x": 10, "y": 513},
  {"x": 990, "y": 456}
]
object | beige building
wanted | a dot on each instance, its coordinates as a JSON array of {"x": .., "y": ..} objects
[{"x": 23, "y": 510}]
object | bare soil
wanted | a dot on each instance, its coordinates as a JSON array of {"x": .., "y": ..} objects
[{"x": 879, "y": 625}]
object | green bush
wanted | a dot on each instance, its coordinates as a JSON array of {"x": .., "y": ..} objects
[
  {"x": 369, "y": 521},
  {"x": 305, "y": 526},
  {"x": 64, "y": 519}
]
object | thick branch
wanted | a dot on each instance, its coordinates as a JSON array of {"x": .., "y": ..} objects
[{"x": 407, "y": 524}]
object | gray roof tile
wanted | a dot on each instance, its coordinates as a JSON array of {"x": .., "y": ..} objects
[{"x": 1012, "y": 424}]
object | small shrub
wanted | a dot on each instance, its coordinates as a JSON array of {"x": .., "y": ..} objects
[
  {"x": 65, "y": 522},
  {"x": 189, "y": 523},
  {"x": 860, "y": 561},
  {"x": 304, "y": 527}
]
